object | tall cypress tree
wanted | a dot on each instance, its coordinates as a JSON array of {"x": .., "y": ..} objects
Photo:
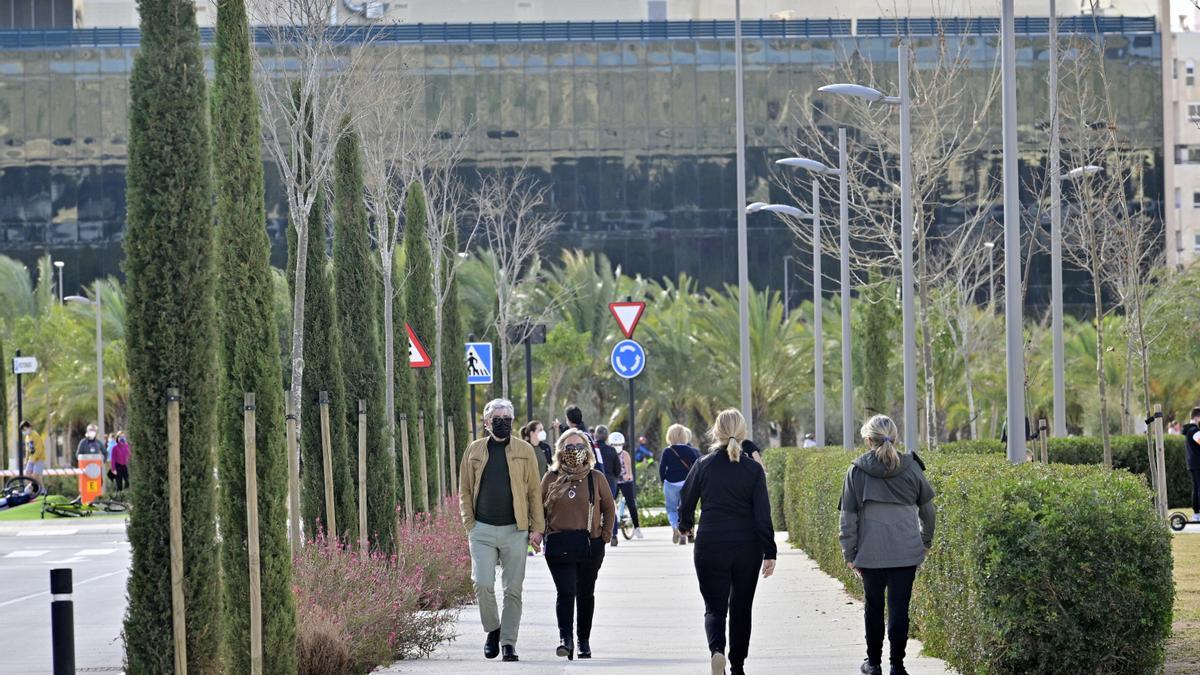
[
  {"x": 418, "y": 305},
  {"x": 357, "y": 289},
  {"x": 249, "y": 360},
  {"x": 454, "y": 378},
  {"x": 171, "y": 338},
  {"x": 406, "y": 397},
  {"x": 322, "y": 372}
]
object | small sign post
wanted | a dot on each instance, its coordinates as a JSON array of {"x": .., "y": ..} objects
[{"x": 628, "y": 358}]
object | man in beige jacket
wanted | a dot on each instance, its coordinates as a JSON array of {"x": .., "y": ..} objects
[{"x": 500, "y": 498}]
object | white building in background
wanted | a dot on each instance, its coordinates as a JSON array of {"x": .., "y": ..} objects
[{"x": 1181, "y": 127}]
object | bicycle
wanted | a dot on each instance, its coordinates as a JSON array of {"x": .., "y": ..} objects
[
  {"x": 624, "y": 519},
  {"x": 57, "y": 505}
]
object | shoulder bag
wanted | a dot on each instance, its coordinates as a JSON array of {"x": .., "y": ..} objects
[{"x": 573, "y": 546}]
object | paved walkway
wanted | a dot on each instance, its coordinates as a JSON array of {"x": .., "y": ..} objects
[{"x": 650, "y": 618}]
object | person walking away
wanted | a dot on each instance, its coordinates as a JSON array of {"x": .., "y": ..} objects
[
  {"x": 887, "y": 523},
  {"x": 90, "y": 445},
  {"x": 736, "y": 538},
  {"x": 579, "y": 517},
  {"x": 625, "y": 486},
  {"x": 809, "y": 441},
  {"x": 500, "y": 501},
  {"x": 611, "y": 467},
  {"x": 673, "y": 467},
  {"x": 35, "y": 451},
  {"x": 1191, "y": 437},
  {"x": 119, "y": 461},
  {"x": 529, "y": 434}
]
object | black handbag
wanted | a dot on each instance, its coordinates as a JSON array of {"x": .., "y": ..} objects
[{"x": 573, "y": 546}]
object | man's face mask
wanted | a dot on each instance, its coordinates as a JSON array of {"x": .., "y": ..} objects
[
  {"x": 575, "y": 454},
  {"x": 91, "y": 435},
  {"x": 501, "y": 427}
]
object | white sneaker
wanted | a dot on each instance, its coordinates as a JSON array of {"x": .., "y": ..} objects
[
  {"x": 637, "y": 533},
  {"x": 1196, "y": 517},
  {"x": 718, "y": 663}
]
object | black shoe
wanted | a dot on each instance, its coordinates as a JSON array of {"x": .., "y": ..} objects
[
  {"x": 510, "y": 653},
  {"x": 898, "y": 669},
  {"x": 613, "y": 542},
  {"x": 737, "y": 670},
  {"x": 585, "y": 649},
  {"x": 491, "y": 648},
  {"x": 868, "y": 669},
  {"x": 565, "y": 648}
]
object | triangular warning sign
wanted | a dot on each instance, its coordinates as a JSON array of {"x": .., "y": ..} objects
[
  {"x": 417, "y": 356},
  {"x": 627, "y": 314}
]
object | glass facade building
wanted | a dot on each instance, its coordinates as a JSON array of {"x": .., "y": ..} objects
[{"x": 632, "y": 126}]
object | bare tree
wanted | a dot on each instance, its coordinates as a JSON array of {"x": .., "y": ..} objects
[
  {"x": 511, "y": 208},
  {"x": 307, "y": 82},
  {"x": 951, "y": 96}
]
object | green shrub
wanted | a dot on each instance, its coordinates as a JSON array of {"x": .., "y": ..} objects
[
  {"x": 1035, "y": 568},
  {"x": 775, "y": 460},
  {"x": 1129, "y": 452},
  {"x": 649, "y": 487}
]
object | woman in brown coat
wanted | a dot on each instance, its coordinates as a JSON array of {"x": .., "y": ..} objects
[{"x": 580, "y": 513}]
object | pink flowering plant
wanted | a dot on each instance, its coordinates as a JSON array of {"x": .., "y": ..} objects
[{"x": 363, "y": 610}]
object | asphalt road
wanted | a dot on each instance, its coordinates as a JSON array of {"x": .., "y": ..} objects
[{"x": 100, "y": 564}]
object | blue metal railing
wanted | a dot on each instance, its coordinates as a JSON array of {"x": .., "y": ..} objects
[{"x": 608, "y": 30}]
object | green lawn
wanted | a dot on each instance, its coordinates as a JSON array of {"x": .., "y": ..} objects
[
  {"x": 30, "y": 511},
  {"x": 1183, "y": 650}
]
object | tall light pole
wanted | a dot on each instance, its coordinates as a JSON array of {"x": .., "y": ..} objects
[
  {"x": 843, "y": 174},
  {"x": 99, "y": 355},
  {"x": 818, "y": 331},
  {"x": 1013, "y": 307},
  {"x": 906, "y": 232},
  {"x": 1056, "y": 285},
  {"x": 60, "y": 264},
  {"x": 743, "y": 278}
]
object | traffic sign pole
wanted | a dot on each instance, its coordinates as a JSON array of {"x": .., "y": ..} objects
[{"x": 20, "y": 421}]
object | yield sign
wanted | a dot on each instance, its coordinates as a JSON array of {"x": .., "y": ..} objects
[
  {"x": 417, "y": 356},
  {"x": 627, "y": 314}
]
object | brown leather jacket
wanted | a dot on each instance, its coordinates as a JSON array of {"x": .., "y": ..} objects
[{"x": 522, "y": 474}]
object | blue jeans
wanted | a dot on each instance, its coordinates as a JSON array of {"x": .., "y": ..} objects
[{"x": 672, "y": 495}]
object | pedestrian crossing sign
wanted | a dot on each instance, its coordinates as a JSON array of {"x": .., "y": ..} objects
[{"x": 479, "y": 362}]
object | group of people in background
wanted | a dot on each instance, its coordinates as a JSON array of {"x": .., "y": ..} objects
[
  {"x": 113, "y": 448},
  {"x": 521, "y": 493}
]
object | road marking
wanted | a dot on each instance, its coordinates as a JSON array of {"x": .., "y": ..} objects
[
  {"x": 26, "y": 554},
  {"x": 47, "y": 532},
  {"x": 97, "y": 551},
  {"x": 23, "y": 598}
]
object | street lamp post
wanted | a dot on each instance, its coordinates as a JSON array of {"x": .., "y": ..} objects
[
  {"x": 843, "y": 174},
  {"x": 818, "y": 342},
  {"x": 1014, "y": 338},
  {"x": 906, "y": 232},
  {"x": 743, "y": 276},
  {"x": 99, "y": 355},
  {"x": 60, "y": 264}
]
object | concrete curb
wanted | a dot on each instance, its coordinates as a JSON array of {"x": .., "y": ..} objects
[{"x": 62, "y": 527}]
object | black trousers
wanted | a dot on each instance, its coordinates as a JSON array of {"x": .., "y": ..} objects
[
  {"x": 1195, "y": 490},
  {"x": 728, "y": 575},
  {"x": 576, "y": 586},
  {"x": 628, "y": 489},
  {"x": 898, "y": 583},
  {"x": 120, "y": 476}
]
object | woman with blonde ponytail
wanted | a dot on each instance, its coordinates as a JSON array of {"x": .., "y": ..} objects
[
  {"x": 887, "y": 519},
  {"x": 736, "y": 541}
]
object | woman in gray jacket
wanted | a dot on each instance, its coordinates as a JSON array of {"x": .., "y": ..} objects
[{"x": 887, "y": 529}]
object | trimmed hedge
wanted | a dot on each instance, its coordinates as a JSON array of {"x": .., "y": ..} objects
[
  {"x": 1035, "y": 568},
  {"x": 776, "y": 460},
  {"x": 1129, "y": 452}
]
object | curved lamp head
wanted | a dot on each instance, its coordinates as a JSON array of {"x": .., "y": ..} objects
[
  {"x": 859, "y": 91},
  {"x": 807, "y": 164},
  {"x": 1080, "y": 171},
  {"x": 77, "y": 298},
  {"x": 776, "y": 208}
]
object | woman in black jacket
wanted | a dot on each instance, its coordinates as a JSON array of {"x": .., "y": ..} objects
[
  {"x": 737, "y": 538},
  {"x": 673, "y": 467}
]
